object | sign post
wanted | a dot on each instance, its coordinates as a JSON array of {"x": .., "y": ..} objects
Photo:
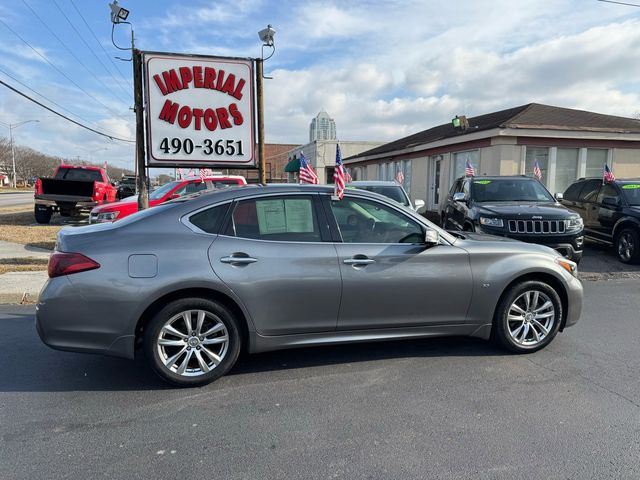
[
  {"x": 141, "y": 179},
  {"x": 262, "y": 174}
]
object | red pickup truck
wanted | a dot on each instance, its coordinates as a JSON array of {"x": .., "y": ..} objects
[{"x": 72, "y": 190}]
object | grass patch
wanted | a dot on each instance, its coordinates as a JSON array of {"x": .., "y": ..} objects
[{"x": 18, "y": 225}]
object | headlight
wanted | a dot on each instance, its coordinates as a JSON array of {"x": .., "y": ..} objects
[
  {"x": 491, "y": 222},
  {"x": 568, "y": 265},
  {"x": 575, "y": 224},
  {"x": 107, "y": 217}
]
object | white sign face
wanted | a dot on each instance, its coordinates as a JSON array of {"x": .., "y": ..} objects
[{"x": 200, "y": 111}]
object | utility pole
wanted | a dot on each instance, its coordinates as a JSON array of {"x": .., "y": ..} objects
[
  {"x": 262, "y": 173},
  {"x": 141, "y": 179},
  {"x": 13, "y": 157}
]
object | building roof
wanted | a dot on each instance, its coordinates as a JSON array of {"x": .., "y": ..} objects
[{"x": 530, "y": 116}]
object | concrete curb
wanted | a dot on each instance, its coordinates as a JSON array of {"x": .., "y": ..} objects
[{"x": 21, "y": 287}]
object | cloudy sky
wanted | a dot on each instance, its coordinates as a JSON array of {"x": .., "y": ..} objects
[{"x": 381, "y": 69}]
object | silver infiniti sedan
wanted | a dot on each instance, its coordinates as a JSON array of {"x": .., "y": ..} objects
[{"x": 195, "y": 281}]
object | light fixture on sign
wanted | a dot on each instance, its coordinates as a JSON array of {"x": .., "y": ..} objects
[
  {"x": 266, "y": 36},
  {"x": 118, "y": 14}
]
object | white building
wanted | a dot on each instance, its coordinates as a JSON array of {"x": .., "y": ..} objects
[{"x": 322, "y": 128}]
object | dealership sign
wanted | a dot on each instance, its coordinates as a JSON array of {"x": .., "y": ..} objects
[{"x": 200, "y": 111}]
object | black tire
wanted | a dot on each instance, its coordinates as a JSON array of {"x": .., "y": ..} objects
[
  {"x": 152, "y": 350},
  {"x": 628, "y": 246},
  {"x": 501, "y": 332},
  {"x": 42, "y": 214}
]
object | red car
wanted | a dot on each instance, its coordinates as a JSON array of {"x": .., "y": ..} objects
[{"x": 168, "y": 191}]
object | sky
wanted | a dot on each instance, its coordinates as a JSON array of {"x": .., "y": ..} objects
[{"x": 381, "y": 69}]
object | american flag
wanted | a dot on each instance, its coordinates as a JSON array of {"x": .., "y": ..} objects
[
  {"x": 203, "y": 174},
  {"x": 608, "y": 174},
  {"x": 105, "y": 165},
  {"x": 339, "y": 177},
  {"x": 400, "y": 177},
  {"x": 468, "y": 170},
  {"x": 191, "y": 173},
  {"x": 536, "y": 170},
  {"x": 348, "y": 176},
  {"x": 307, "y": 174},
  {"x": 180, "y": 174}
]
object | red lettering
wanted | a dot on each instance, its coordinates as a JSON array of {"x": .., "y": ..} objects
[
  {"x": 161, "y": 86},
  {"x": 235, "y": 113},
  {"x": 210, "y": 120},
  {"x": 172, "y": 81},
  {"x": 223, "y": 118},
  {"x": 184, "y": 117},
  {"x": 197, "y": 77},
  {"x": 220, "y": 80},
  {"x": 186, "y": 76},
  {"x": 209, "y": 78},
  {"x": 238, "y": 91},
  {"x": 197, "y": 114},
  {"x": 169, "y": 112},
  {"x": 229, "y": 85}
]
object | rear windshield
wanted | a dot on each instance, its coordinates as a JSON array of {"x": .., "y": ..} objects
[
  {"x": 79, "y": 174},
  {"x": 509, "y": 191},
  {"x": 394, "y": 193},
  {"x": 631, "y": 193}
]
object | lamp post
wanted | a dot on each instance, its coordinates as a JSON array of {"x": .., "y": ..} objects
[
  {"x": 11, "y": 127},
  {"x": 266, "y": 36}
]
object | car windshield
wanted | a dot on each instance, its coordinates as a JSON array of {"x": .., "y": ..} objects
[
  {"x": 160, "y": 192},
  {"x": 390, "y": 191},
  {"x": 631, "y": 193},
  {"x": 509, "y": 190},
  {"x": 79, "y": 174}
]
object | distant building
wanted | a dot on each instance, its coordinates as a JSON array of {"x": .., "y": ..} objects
[
  {"x": 322, "y": 157},
  {"x": 322, "y": 128}
]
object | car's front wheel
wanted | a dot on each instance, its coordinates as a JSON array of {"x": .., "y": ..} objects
[
  {"x": 192, "y": 342},
  {"x": 628, "y": 246},
  {"x": 528, "y": 317}
]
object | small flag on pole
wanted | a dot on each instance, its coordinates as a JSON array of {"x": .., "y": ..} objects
[
  {"x": 180, "y": 174},
  {"x": 469, "y": 170},
  {"x": 202, "y": 174},
  {"x": 608, "y": 175},
  {"x": 307, "y": 174},
  {"x": 339, "y": 177},
  {"x": 348, "y": 176},
  {"x": 400, "y": 177},
  {"x": 536, "y": 170},
  {"x": 191, "y": 173},
  {"x": 105, "y": 165}
]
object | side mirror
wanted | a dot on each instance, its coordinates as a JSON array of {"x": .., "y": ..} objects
[
  {"x": 459, "y": 197},
  {"x": 419, "y": 204},
  {"x": 173, "y": 197},
  {"x": 431, "y": 237},
  {"x": 610, "y": 201},
  {"x": 559, "y": 196}
]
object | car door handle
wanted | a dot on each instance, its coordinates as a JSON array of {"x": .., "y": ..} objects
[
  {"x": 237, "y": 260},
  {"x": 358, "y": 261}
]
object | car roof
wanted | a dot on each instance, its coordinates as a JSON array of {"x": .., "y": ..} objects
[
  {"x": 583, "y": 179},
  {"x": 499, "y": 177},
  {"x": 374, "y": 183}
]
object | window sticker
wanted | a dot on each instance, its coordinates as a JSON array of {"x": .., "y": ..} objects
[
  {"x": 284, "y": 216},
  {"x": 298, "y": 215},
  {"x": 631, "y": 186},
  {"x": 482, "y": 182}
]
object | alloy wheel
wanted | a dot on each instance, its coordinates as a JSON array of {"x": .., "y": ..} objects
[
  {"x": 530, "y": 318},
  {"x": 192, "y": 343},
  {"x": 626, "y": 247}
]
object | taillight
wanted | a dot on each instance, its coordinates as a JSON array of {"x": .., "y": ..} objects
[
  {"x": 62, "y": 263},
  {"x": 38, "y": 186}
]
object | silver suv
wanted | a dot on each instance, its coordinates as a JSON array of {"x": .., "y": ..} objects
[{"x": 392, "y": 190}]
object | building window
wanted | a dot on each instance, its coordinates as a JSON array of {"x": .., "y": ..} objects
[
  {"x": 542, "y": 156},
  {"x": 596, "y": 158},
  {"x": 566, "y": 168},
  {"x": 460, "y": 161}
]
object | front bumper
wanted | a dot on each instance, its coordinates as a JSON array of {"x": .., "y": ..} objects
[
  {"x": 574, "y": 301},
  {"x": 569, "y": 246}
]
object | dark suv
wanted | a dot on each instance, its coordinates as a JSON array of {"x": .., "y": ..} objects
[
  {"x": 518, "y": 207},
  {"x": 611, "y": 213}
]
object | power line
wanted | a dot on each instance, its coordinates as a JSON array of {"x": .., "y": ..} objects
[
  {"x": 71, "y": 53},
  {"x": 82, "y": 38},
  {"x": 111, "y": 137},
  {"x": 48, "y": 99},
  {"x": 56, "y": 68},
  {"x": 127, "y": 81},
  {"x": 620, "y": 3}
]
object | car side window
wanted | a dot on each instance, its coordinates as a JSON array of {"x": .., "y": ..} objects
[
  {"x": 573, "y": 192},
  {"x": 194, "y": 187},
  {"x": 366, "y": 221},
  {"x": 210, "y": 220},
  {"x": 465, "y": 189},
  {"x": 589, "y": 191},
  {"x": 608, "y": 190},
  {"x": 455, "y": 187},
  {"x": 284, "y": 219}
]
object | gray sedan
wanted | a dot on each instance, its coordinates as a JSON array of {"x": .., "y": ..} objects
[{"x": 195, "y": 281}]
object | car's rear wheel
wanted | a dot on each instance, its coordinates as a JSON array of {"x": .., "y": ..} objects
[
  {"x": 628, "y": 246},
  {"x": 528, "y": 317},
  {"x": 192, "y": 342}
]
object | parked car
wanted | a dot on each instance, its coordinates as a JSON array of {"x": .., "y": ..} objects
[
  {"x": 393, "y": 190},
  {"x": 611, "y": 213},
  {"x": 517, "y": 207},
  {"x": 126, "y": 187},
  {"x": 72, "y": 190},
  {"x": 193, "y": 282},
  {"x": 169, "y": 191}
]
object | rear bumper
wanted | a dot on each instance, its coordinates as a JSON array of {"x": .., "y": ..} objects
[{"x": 81, "y": 203}]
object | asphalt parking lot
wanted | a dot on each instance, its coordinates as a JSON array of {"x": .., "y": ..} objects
[{"x": 441, "y": 408}]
